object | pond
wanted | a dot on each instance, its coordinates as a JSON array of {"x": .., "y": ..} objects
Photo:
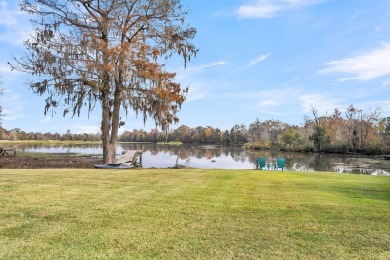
[{"x": 228, "y": 157}]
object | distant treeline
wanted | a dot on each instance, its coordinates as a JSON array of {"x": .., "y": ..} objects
[
  {"x": 17, "y": 134},
  {"x": 353, "y": 131}
]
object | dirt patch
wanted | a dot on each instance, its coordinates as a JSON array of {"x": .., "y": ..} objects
[{"x": 22, "y": 162}]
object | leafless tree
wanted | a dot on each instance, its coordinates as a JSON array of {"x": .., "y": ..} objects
[{"x": 319, "y": 137}]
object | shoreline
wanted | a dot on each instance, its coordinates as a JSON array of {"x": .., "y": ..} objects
[{"x": 42, "y": 162}]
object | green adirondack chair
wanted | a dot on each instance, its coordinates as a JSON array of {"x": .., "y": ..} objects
[
  {"x": 262, "y": 164},
  {"x": 279, "y": 164}
]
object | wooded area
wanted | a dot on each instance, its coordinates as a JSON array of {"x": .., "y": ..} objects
[{"x": 353, "y": 131}]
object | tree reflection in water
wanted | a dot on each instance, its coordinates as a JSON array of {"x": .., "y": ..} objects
[{"x": 229, "y": 157}]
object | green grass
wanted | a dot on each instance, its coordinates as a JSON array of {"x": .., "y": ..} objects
[{"x": 202, "y": 214}]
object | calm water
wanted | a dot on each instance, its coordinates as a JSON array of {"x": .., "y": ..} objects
[{"x": 228, "y": 157}]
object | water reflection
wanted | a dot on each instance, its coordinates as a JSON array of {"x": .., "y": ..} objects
[{"x": 228, "y": 157}]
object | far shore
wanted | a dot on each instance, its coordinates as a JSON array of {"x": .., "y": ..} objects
[
  {"x": 47, "y": 142},
  {"x": 246, "y": 146}
]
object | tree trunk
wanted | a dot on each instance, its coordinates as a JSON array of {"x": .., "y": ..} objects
[
  {"x": 109, "y": 147},
  {"x": 115, "y": 123},
  {"x": 109, "y": 135},
  {"x": 109, "y": 151}
]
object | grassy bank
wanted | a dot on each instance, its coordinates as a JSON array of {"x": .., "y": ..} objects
[
  {"x": 171, "y": 143},
  {"x": 89, "y": 214}
]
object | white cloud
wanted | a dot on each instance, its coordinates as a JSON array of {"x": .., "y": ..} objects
[
  {"x": 268, "y": 102},
  {"x": 186, "y": 74},
  {"x": 198, "y": 89},
  {"x": 271, "y": 102},
  {"x": 13, "y": 117},
  {"x": 6, "y": 69},
  {"x": 386, "y": 84},
  {"x": 205, "y": 66},
  {"x": 12, "y": 105},
  {"x": 88, "y": 129},
  {"x": 271, "y": 96},
  {"x": 259, "y": 10},
  {"x": 274, "y": 101},
  {"x": 271, "y": 8},
  {"x": 8, "y": 17},
  {"x": 323, "y": 104},
  {"x": 291, "y": 81},
  {"x": 14, "y": 24},
  {"x": 15, "y": 112},
  {"x": 371, "y": 65},
  {"x": 261, "y": 58},
  {"x": 196, "y": 93},
  {"x": 385, "y": 105}
]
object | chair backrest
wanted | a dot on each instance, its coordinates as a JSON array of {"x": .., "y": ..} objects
[
  {"x": 261, "y": 161},
  {"x": 281, "y": 162},
  {"x": 129, "y": 156}
]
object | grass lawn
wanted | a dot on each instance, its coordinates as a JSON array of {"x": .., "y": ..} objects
[{"x": 196, "y": 213}]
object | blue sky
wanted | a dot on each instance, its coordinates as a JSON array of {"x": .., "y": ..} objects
[{"x": 266, "y": 59}]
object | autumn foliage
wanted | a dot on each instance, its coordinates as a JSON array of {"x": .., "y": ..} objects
[{"x": 108, "y": 53}]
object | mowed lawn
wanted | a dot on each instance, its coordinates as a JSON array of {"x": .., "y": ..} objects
[{"x": 192, "y": 213}]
